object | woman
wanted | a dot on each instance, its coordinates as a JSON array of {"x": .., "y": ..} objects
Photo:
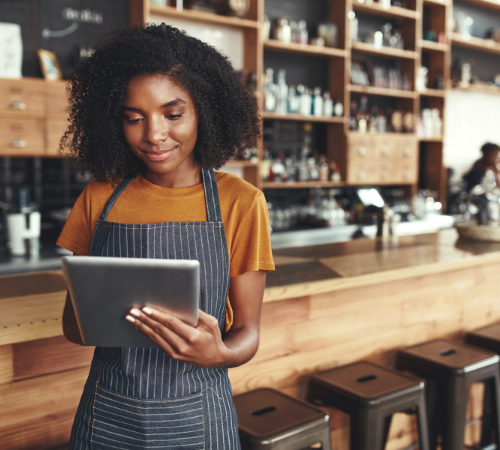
[{"x": 153, "y": 113}]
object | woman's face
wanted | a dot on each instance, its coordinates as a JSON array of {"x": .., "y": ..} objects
[{"x": 160, "y": 126}]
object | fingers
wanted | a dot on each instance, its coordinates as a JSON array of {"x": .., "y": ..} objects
[
  {"x": 207, "y": 321},
  {"x": 168, "y": 321}
]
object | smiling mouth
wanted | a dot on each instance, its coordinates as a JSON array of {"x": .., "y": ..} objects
[{"x": 159, "y": 156}]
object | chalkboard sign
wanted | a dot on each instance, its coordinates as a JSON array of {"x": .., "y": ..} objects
[{"x": 62, "y": 26}]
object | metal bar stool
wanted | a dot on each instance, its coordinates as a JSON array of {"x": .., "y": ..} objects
[
  {"x": 271, "y": 420},
  {"x": 371, "y": 394},
  {"x": 450, "y": 367}
]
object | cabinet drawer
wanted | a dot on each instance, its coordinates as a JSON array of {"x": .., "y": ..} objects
[
  {"x": 361, "y": 146},
  {"x": 54, "y": 130},
  {"x": 405, "y": 173},
  {"x": 369, "y": 172},
  {"x": 21, "y": 137},
  {"x": 22, "y": 98},
  {"x": 57, "y": 100}
]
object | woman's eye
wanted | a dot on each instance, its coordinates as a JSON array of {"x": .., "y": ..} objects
[
  {"x": 174, "y": 116},
  {"x": 133, "y": 120}
]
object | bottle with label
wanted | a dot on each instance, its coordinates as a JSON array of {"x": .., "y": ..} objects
[
  {"x": 327, "y": 104},
  {"x": 324, "y": 169},
  {"x": 293, "y": 100},
  {"x": 318, "y": 102},
  {"x": 338, "y": 109},
  {"x": 282, "y": 100},
  {"x": 304, "y": 35},
  {"x": 294, "y": 27},
  {"x": 278, "y": 170}
]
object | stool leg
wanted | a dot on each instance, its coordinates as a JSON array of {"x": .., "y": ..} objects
[
  {"x": 491, "y": 406},
  {"x": 423, "y": 432},
  {"x": 367, "y": 430},
  {"x": 456, "y": 393},
  {"x": 434, "y": 412}
]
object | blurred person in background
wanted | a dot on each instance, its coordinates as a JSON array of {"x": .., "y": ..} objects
[{"x": 488, "y": 161}]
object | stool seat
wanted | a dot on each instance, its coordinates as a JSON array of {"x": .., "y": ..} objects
[
  {"x": 371, "y": 394},
  {"x": 368, "y": 383},
  {"x": 450, "y": 368},
  {"x": 449, "y": 355},
  {"x": 269, "y": 419},
  {"x": 487, "y": 337}
]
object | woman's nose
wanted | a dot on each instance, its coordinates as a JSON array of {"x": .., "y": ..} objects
[{"x": 156, "y": 131}]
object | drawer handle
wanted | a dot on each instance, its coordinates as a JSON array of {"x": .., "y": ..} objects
[
  {"x": 384, "y": 175},
  {"x": 362, "y": 151},
  {"x": 361, "y": 175},
  {"x": 407, "y": 152},
  {"x": 385, "y": 151},
  {"x": 18, "y": 105},
  {"x": 18, "y": 143},
  {"x": 406, "y": 175}
]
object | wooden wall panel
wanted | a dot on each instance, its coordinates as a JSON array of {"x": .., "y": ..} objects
[
  {"x": 38, "y": 412},
  {"x": 6, "y": 364},
  {"x": 47, "y": 356}
]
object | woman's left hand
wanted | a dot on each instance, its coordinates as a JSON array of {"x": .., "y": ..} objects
[{"x": 200, "y": 346}]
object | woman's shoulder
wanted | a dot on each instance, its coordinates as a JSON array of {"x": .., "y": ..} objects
[{"x": 234, "y": 185}]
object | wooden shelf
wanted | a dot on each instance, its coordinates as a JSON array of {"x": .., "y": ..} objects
[
  {"x": 483, "y": 45},
  {"x": 300, "y": 184},
  {"x": 386, "y": 52},
  {"x": 379, "y": 10},
  {"x": 425, "y": 139},
  {"x": 370, "y": 90},
  {"x": 200, "y": 16},
  {"x": 325, "y": 52},
  {"x": 434, "y": 46},
  {"x": 333, "y": 119},
  {"x": 485, "y": 3},
  {"x": 484, "y": 89},
  {"x": 436, "y": 2},
  {"x": 433, "y": 93}
]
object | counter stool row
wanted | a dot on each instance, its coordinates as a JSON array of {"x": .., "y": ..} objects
[{"x": 371, "y": 394}]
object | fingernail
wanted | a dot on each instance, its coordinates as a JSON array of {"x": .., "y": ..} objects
[
  {"x": 130, "y": 319},
  {"x": 147, "y": 311},
  {"x": 135, "y": 312}
]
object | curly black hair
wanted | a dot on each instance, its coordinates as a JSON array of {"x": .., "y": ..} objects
[{"x": 227, "y": 112}]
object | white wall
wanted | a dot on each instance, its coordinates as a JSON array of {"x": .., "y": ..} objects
[
  {"x": 471, "y": 119},
  {"x": 228, "y": 41}
]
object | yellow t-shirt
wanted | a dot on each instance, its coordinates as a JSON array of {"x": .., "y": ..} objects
[{"x": 243, "y": 208}]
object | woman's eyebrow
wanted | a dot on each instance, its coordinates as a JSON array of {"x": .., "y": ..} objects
[{"x": 166, "y": 105}]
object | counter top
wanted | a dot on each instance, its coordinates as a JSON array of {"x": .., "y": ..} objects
[{"x": 31, "y": 304}]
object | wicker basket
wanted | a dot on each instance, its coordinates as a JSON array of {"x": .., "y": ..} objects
[{"x": 470, "y": 230}]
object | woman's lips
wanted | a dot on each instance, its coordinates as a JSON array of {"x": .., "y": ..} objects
[{"x": 158, "y": 156}]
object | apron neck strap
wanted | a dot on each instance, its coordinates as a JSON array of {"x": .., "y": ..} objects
[
  {"x": 114, "y": 197},
  {"x": 209, "y": 186},
  {"x": 211, "y": 196}
]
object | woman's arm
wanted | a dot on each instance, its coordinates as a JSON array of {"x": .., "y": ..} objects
[
  {"x": 70, "y": 325},
  {"x": 203, "y": 345}
]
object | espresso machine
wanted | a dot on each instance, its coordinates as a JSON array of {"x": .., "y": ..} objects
[{"x": 22, "y": 223}]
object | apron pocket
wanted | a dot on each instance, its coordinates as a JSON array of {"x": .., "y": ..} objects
[{"x": 130, "y": 423}]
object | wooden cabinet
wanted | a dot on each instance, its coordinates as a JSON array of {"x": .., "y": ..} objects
[
  {"x": 381, "y": 159},
  {"x": 33, "y": 116},
  {"x": 22, "y": 98},
  {"x": 21, "y": 137}
]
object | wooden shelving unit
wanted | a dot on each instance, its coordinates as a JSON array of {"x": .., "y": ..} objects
[
  {"x": 484, "y": 89},
  {"x": 200, "y": 16},
  {"x": 481, "y": 45},
  {"x": 300, "y": 117},
  {"x": 384, "y": 52},
  {"x": 433, "y": 93},
  {"x": 371, "y": 90},
  {"x": 491, "y": 4},
  {"x": 392, "y": 12},
  {"x": 434, "y": 46},
  {"x": 326, "y": 52}
]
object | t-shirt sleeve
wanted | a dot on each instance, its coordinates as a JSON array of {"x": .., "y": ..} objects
[
  {"x": 76, "y": 235},
  {"x": 252, "y": 241}
]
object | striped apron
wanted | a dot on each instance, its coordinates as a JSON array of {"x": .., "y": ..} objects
[{"x": 139, "y": 398}]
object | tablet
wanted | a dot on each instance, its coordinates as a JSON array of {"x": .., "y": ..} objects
[{"x": 104, "y": 289}]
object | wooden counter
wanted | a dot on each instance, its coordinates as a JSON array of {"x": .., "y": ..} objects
[{"x": 324, "y": 306}]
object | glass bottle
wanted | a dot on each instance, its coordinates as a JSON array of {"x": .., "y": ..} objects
[
  {"x": 318, "y": 102},
  {"x": 293, "y": 100},
  {"x": 327, "y": 104},
  {"x": 269, "y": 89},
  {"x": 295, "y": 32},
  {"x": 265, "y": 165},
  {"x": 304, "y": 36},
  {"x": 282, "y": 100},
  {"x": 305, "y": 102}
]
